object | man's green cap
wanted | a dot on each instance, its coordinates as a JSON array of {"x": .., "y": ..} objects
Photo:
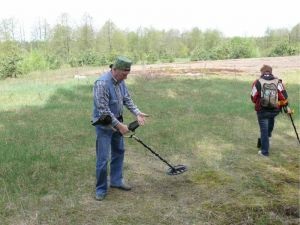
[{"x": 122, "y": 63}]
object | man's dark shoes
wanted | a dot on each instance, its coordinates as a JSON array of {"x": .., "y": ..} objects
[
  {"x": 123, "y": 187},
  {"x": 258, "y": 143},
  {"x": 262, "y": 154},
  {"x": 99, "y": 197}
]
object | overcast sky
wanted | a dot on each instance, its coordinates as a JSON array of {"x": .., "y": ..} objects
[{"x": 231, "y": 17}]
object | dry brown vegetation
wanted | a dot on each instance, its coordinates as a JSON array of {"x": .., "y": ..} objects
[{"x": 231, "y": 67}]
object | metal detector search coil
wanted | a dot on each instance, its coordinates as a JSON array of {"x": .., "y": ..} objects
[{"x": 176, "y": 170}]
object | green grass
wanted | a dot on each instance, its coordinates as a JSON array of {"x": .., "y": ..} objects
[{"x": 208, "y": 123}]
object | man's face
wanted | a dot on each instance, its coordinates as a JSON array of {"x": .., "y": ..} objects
[{"x": 121, "y": 74}]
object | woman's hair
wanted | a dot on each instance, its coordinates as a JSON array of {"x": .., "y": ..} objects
[{"x": 266, "y": 68}]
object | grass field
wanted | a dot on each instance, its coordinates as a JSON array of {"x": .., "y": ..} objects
[{"x": 207, "y": 122}]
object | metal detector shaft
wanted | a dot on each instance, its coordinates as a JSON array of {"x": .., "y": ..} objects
[
  {"x": 294, "y": 127},
  {"x": 139, "y": 140}
]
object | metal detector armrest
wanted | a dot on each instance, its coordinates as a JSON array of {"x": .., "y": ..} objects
[{"x": 103, "y": 120}]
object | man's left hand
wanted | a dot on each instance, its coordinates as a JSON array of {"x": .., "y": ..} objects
[{"x": 141, "y": 118}]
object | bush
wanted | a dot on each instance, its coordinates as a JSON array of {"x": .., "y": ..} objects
[
  {"x": 199, "y": 54},
  {"x": 152, "y": 57},
  {"x": 221, "y": 51},
  {"x": 283, "y": 49},
  {"x": 91, "y": 59},
  {"x": 53, "y": 62},
  {"x": 165, "y": 58},
  {"x": 83, "y": 59},
  {"x": 34, "y": 61},
  {"x": 10, "y": 66},
  {"x": 241, "y": 48},
  {"x": 134, "y": 56}
]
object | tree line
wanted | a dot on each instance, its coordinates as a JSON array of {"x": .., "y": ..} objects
[{"x": 84, "y": 45}]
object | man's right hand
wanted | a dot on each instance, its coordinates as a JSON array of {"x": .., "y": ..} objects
[
  {"x": 123, "y": 129},
  {"x": 288, "y": 110}
]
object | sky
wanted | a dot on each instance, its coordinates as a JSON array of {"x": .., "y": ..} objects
[{"x": 231, "y": 17}]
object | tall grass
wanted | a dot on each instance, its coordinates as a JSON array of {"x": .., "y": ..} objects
[{"x": 206, "y": 122}]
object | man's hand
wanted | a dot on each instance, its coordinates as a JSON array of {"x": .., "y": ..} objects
[
  {"x": 289, "y": 111},
  {"x": 282, "y": 103},
  {"x": 141, "y": 118},
  {"x": 123, "y": 129}
]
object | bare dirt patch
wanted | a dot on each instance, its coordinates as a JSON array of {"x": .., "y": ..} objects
[{"x": 231, "y": 67}]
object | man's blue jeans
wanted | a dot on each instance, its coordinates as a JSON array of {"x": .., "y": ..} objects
[
  {"x": 108, "y": 142},
  {"x": 266, "y": 120}
]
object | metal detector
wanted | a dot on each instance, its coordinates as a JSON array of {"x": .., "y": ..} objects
[
  {"x": 172, "y": 170},
  {"x": 294, "y": 127},
  {"x": 290, "y": 115}
]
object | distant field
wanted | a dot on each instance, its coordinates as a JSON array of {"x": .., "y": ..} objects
[
  {"x": 246, "y": 67},
  {"x": 201, "y": 116}
]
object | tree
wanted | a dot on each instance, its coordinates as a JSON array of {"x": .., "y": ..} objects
[
  {"x": 276, "y": 36},
  {"x": 83, "y": 51},
  {"x": 193, "y": 39},
  {"x": 8, "y": 29},
  {"x": 61, "y": 38},
  {"x": 104, "y": 37},
  {"x": 41, "y": 31},
  {"x": 85, "y": 35},
  {"x": 111, "y": 41},
  {"x": 212, "y": 38},
  {"x": 173, "y": 45},
  {"x": 134, "y": 46},
  {"x": 295, "y": 34}
]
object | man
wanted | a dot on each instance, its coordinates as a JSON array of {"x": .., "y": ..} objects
[
  {"x": 269, "y": 96},
  {"x": 110, "y": 95}
]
